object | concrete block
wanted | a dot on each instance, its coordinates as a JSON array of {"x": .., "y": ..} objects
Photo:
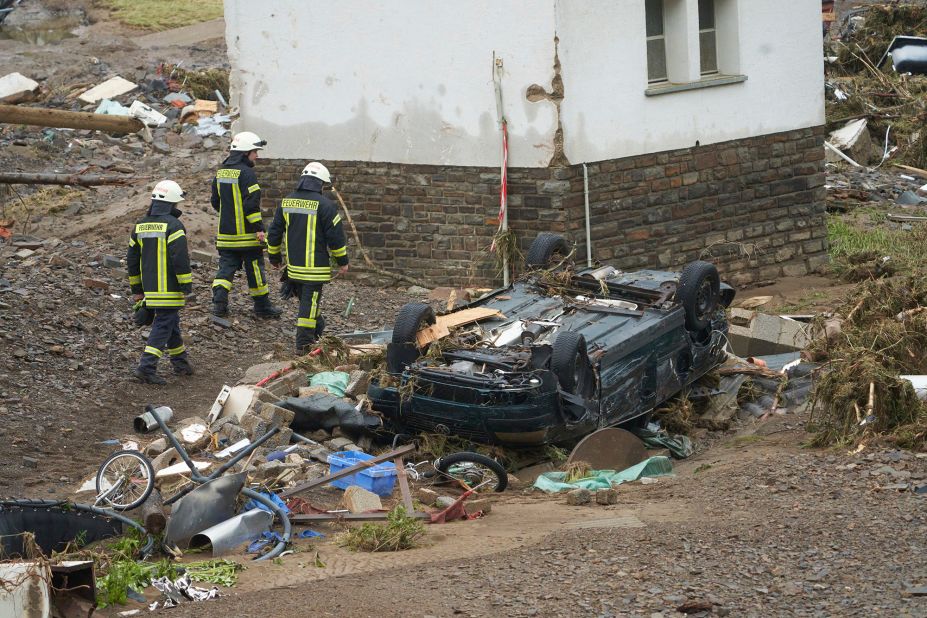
[
  {"x": 340, "y": 444},
  {"x": 165, "y": 460},
  {"x": 288, "y": 384},
  {"x": 155, "y": 448},
  {"x": 578, "y": 497},
  {"x": 256, "y": 373},
  {"x": 426, "y": 496},
  {"x": 606, "y": 496},
  {"x": 357, "y": 383},
  {"x": 359, "y": 500},
  {"x": 759, "y": 334},
  {"x": 275, "y": 415},
  {"x": 254, "y": 425},
  {"x": 483, "y": 505},
  {"x": 442, "y": 502}
]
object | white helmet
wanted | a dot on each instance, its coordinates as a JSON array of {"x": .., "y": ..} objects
[
  {"x": 317, "y": 170},
  {"x": 167, "y": 191},
  {"x": 246, "y": 141}
]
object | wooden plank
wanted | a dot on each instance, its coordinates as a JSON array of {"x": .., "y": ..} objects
[
  {"x": 444, "y": 324},
  {"x": 903, "y": 218},
  {"x": 913, "y": 170},
  {"x": 317, "y": 517},
  {"x": 361, "y": 465}
]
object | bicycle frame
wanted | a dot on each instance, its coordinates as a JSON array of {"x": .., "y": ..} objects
[{"x": 199, "y": 479}]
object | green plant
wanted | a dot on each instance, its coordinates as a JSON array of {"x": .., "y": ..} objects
[
  {"x": 399, "y": 532},
  {"x": 221, "y": 572}
]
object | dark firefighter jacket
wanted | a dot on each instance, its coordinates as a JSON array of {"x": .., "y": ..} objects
[
  {"x": 309, "y": 227},
  {"x": 157, "y": 260},
  {"x": 236, "y": 195}
]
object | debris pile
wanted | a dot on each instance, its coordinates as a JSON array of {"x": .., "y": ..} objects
[
  {"x": 860, "y": 395},
  {"x": 882, "y": 103}
]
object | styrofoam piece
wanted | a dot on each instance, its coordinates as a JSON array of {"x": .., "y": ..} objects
[
  {"x": 112, "y": 87},
  {"x": 146, "y": 114},
  {"x": 181, "y": 468},
  {"x": 26, "y": 590},
  {"x": 15, "y": 86}
]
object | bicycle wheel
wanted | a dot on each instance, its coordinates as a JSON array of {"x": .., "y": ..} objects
[
  {"x": 473, "y": 469},
  {"x": 125, "y": 480}
]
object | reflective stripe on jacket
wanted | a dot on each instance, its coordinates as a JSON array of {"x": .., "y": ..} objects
[
  {"x": 308, "y": 226},
  {"x": 236, "y": 195},
  {"x": 158, "y": 262}
]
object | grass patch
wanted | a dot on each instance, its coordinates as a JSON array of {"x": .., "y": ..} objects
[
  {"x": 702, "y": 468},
  {"x": 742, "y": 441},
  {"x": 163, "y": 14},
  {"x": 857, "y": 252},
  {"x": 399, "y": 532}
]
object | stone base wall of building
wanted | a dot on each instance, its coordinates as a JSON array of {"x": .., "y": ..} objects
[{"x": 755, "y": 207}]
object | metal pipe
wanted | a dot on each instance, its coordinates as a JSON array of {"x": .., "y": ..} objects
[
  {"x": 588, "y": 223},
  {"x": 287, "y": 529}
]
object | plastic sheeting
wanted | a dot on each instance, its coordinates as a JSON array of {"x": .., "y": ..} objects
[
  {"x": 679, "y": 445},
  {"x": 335, "y": 381},
  {"x": 553, "y": 482}
]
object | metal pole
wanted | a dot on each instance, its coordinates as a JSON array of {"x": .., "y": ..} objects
[{"x": 588, "y": 224}]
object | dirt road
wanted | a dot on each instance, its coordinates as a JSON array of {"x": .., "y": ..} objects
[{"x": 757, "y": 526}]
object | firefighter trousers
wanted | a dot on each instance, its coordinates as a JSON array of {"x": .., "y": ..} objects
[
  {"x": 309, "y": 323},
  {"x": 230, "y": 262},
  {"x": 164, "y": 337}
]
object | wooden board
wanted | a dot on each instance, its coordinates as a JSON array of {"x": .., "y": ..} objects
[{"x": 444, "y": 324}]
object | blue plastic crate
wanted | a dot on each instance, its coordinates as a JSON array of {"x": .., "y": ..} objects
[{"x": 379, "y": 478}]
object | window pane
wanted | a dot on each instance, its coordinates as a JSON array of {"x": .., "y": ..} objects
[
  {"x": 656, "y": 60},
  {"x": 654, "y": 10},
  {"x": 706, "y": 14},
  {"x": 709, "y": 52}
]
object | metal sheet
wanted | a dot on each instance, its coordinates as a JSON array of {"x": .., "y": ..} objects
[
  {"x": 609, "y": 449},
  {"x": 228, "y": 535},
  {"x": 202, "y": 508}
]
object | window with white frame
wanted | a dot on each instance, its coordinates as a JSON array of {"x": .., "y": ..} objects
[
  {"x": 656, "y": 42},
  {"x": 707, "y": 37}
]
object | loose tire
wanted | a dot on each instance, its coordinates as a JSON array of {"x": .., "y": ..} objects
[
  {"x": 570, "y": 363},
  {"x": 544, "y": 248},
  {"x": 474, "y": 469},
  {"x": 412, "y": 318},
  {"x": 130, "y": 474},
  {"x": 699, "y": 292}
]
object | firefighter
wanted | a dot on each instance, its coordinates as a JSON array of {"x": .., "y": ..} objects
[
  {"x": 236, "y": 196},
  {"x": 309, "y": 225},
  {"x": 159, "y": 274}
]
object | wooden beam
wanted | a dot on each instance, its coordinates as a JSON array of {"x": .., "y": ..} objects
[
  {"x": 43, "y": 117},
  {"x": 913, "y": 170},
  {"x": 83, "y": 180},
  {"x": 317, "y": 517}
]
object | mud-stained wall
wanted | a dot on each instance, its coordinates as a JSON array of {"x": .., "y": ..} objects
[{"x": 409, "y": 81}]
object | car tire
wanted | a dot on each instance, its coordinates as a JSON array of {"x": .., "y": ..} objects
[
  {"x": 544, "y": 248},
  {"x": 412, "y": 317},
  {"x": 699, "y": 292},
  {"x": 570, "y": 363},
  {"x": 444, "y": 466}
]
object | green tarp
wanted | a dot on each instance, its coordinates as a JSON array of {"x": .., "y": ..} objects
[
  {"x": 335, "y": 381},
  {"x": 553, "y": 482}
]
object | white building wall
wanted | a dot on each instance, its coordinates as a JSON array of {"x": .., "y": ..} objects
[
  {"x": 411, "y": 81},
  {"x": 606, "y": 114},
  {"x": 407, "y": 81}
]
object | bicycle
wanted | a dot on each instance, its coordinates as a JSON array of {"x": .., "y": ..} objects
[
  {"x": 124, "y": 481},
  {"x": 470, "y": 470}
]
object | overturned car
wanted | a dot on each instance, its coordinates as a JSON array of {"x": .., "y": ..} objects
[{"x": 556, "y": 355}]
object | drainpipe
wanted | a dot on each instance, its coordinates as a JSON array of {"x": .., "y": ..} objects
[{"x": 588, "y": 223}]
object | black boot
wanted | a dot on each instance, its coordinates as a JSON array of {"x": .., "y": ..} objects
[
  {"x": 149, "y": 377},
  {"x": 305, "y": 340},
  {"x": 182, "y": 366},
  {"x": 220, "y": 302},
  {"x": 264, "y": 309}
]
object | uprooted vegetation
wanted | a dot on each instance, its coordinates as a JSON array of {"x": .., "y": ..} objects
[
  {"x": 401, "y": 531},
  {"x": 886, "y": 98},
  {"x": 859, "y": 396}
]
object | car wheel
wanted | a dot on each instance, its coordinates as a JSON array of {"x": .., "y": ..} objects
[
  {"x": 474, "y": 469},
  {"x": 544, "y": 248},
  {"x": 699, "y": 292},
  {"x": 412, "y": 318},
  {"x": 570, "y": 363}
]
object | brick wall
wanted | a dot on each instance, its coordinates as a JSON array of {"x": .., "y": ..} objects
[{"x": 755, "y": 207}]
